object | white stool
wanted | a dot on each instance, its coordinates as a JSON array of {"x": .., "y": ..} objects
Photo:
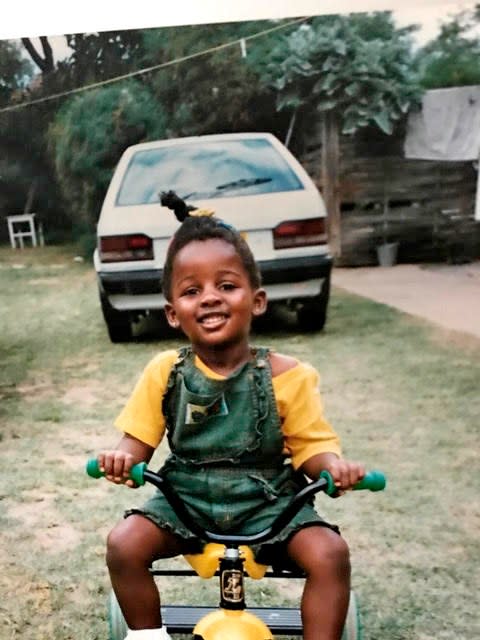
[{"x": 19, "y": 232}]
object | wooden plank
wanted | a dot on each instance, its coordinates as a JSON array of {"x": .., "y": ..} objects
[
  {"x": 330, "y": 173},
  {"x": 417, "y": 191}
]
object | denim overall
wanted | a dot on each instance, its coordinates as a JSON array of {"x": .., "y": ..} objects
[{"x": 227, "y": 461}]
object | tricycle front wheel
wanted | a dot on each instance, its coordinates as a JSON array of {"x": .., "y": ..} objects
[
  {"x": 117, "y": 627},
  {"x": 352, "y": 629}
]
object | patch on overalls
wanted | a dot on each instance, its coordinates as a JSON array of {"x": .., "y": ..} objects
[{"x": 196, "y": 413}]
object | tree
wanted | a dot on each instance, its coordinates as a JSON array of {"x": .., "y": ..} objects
[
  {"x": 351, "y": 71},
  {"x": 19, "y": 161},
  {"x": 24, "y": 133},
  {"x": 451, "y": 59},
  {"x": 101, "y": 56},
  {"x": 45, "y": 63},
  {"x": 217, "y": 91},
  {"x": 359, "y": 67},
  {"x": 15, "y": 71},
  {"x": 88, "y": 136}
]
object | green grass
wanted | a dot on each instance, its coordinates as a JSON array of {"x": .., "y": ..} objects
[{"x": 402, "y": 394}]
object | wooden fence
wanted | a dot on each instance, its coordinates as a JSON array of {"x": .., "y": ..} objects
[{"x": 428, "y": 207}]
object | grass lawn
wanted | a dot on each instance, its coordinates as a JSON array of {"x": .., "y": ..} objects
[{"x": 403, "y": 395}]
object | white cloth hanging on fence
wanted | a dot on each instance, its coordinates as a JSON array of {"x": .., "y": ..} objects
[{"x": 447, "y": 127}]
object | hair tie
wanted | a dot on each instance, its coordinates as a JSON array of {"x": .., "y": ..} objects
[
  {"x": 230, "y": 227},
  {"x": 198, "y": 213}
]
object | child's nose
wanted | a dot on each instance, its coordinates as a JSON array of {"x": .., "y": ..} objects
[{"x": 210, "y": 296}]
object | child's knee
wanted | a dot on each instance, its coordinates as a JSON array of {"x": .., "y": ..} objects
[
  {"x": 331, "y": 551},
  {"x": 117, "y": 546},
  {"x": 338, "y": 551},
  {"x": 316, "y": 549}
]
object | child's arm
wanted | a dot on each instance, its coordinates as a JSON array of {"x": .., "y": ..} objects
[
  {"x": 345, "y": 473},
  {"x": 116, "y": 463}
]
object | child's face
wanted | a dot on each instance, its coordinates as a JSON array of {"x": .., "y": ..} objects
[{"x": 212, "y": 299}]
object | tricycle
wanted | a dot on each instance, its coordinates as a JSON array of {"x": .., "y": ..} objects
[{"x": 231, "y": 559}]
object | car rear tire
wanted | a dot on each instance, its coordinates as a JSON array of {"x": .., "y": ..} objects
[
  {"x": 118, "y": 323},
  {"x": 312, "y": 315}
]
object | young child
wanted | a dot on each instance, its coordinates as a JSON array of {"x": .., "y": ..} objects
[{"x": 243, "y": 425}]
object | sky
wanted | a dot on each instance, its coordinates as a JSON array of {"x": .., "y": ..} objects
[{"x": 52, "y": 17}]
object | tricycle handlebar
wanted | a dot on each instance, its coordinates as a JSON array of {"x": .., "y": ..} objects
[{"x": 139, "y": 473}]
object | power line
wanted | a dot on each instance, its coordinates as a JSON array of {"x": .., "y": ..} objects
[{"x": 156, "y": 67}]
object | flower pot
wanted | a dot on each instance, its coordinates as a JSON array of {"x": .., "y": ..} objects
[{"x": 387, "y": 254}]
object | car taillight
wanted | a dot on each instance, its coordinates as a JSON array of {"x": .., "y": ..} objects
[
  {"x": 125, "y": 248},
  {"x": 299, "y": 233}
]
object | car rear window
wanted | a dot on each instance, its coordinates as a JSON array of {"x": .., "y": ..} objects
[{"x": 205, "y": 170}]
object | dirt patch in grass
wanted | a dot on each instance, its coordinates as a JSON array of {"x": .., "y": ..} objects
[
  {"x": 40, "y": 282},
  {"x": 36, "y": 593},
  {"x": 85, "y": 394},
  {"x": 33, "y": 391},
  {"x": 72, "y": 455},
  {"x": 39, "y": 516}
]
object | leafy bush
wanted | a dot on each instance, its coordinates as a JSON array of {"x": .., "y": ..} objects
[{"x": 88, "y": 137}]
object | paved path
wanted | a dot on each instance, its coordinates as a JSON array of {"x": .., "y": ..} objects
[{"x": 446, "y": 295}]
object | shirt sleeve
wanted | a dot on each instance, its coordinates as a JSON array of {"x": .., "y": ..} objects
[
  {"x": 142, "y": 416},
  {"x": 306, "y": 431}
]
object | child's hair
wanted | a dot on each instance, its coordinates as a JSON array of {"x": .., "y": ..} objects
[{"x": 206, "y": 228}]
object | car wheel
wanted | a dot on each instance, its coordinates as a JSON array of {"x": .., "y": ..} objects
[
  {"x": 312, "y": 315},
  {"x": 118, "y": 323}
]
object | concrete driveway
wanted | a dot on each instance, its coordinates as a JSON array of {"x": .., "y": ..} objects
[{"x": 446, "y": 295}]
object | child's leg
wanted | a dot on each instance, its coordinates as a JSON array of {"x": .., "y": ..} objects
[
  {"x": 324, "y": 556},
  {"x": 131, "y": 548}
]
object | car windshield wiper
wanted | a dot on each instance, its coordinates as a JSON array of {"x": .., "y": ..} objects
[
  {"x": 242, "y": 183},
  {"x": 193, "y": 193}
]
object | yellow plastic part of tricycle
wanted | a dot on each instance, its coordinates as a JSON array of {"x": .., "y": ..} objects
[
  {"x": 207, "y": 562},
  {"x": 234, "y": 625}
]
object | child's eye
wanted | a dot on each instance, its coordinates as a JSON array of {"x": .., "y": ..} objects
[
  {"x": 227, "y": 286},
  {"x": 191, "y": 291}
]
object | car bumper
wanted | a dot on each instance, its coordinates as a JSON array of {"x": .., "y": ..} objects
[
  {"x": 293, "y": 270},
  {"x": 283, "y": 279}
]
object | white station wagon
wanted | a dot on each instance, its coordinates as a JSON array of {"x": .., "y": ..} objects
[{"x": 251, "y": 181}]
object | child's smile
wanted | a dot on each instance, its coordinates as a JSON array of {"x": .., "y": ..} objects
[
  {"x": 213, "y": 320},
  {"x": 212, "y": 298}
]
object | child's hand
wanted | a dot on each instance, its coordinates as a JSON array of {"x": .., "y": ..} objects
[
  {"x": 345, "y": 473},
  {"x": 116, "y": 465}
]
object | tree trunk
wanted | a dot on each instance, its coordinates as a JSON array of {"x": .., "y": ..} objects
[
  {"x": 30, "y": 195},
  {"x": 45, "y": 64},
  {"x": 330, "y": 181}
]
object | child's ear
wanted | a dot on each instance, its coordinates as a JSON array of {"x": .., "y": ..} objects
[
  {"x": 259, "y": 302},
  {"x": 171, "y": 316}
]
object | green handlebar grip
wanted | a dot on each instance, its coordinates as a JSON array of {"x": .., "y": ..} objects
[
  {"x": 331, "y": 488},
  {"x": 93, "y": 470},
  {"x": 136, "y": 472},
  {"x": 373, "y": 481}
]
